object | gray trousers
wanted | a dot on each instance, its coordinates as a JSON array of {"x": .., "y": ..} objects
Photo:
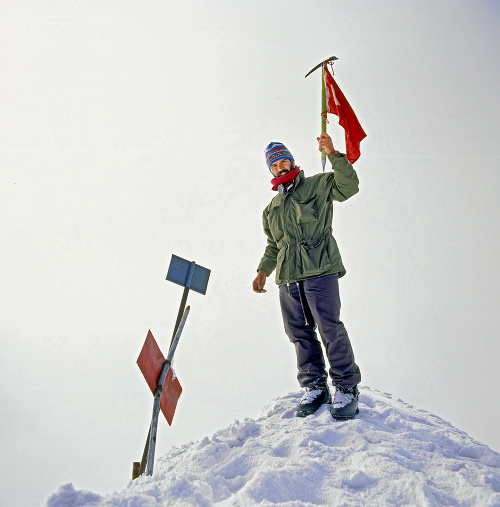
[{"x": 315, "y": 304}]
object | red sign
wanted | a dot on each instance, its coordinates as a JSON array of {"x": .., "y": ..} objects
[{"x": 150, "y": 362}]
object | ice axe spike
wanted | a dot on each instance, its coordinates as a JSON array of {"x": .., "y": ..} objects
[{"x": 323, "y": 101}]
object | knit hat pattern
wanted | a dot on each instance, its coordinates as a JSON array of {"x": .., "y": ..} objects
[{"x": 276, "y": 151}]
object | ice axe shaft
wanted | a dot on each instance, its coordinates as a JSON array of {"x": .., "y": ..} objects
[
  {"x": 323, "y": 114},
  {"x": 323, "y": 101}
]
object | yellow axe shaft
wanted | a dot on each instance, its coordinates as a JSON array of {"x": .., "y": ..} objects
[
  {"x": 323, "y": 101},
  {"x": 323, "y": 114}
]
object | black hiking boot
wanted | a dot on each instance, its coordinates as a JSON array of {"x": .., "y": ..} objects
[
  {"x": 345, "y": 403},
  {"x": 313, "y": 398}
]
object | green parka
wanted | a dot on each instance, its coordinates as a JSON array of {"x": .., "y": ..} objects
[{"x": 298, "y": 224}]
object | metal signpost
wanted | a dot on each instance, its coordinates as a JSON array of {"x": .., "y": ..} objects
[
  {"x": 156, "y": 369},
  {"x": 158, "y": 392}
]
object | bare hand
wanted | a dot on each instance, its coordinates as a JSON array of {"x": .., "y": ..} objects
[
  {"x": 325, "y": 143},
  {"x": 259, "y": 282}
]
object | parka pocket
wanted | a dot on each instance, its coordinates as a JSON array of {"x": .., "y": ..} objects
[
  {"x": 274, "y": 219},
  {"x": 315, "y": 259},
  {"x": 306, "y": 210}
]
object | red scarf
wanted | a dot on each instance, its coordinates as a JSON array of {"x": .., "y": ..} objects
[{"x": 285, "y": 179}]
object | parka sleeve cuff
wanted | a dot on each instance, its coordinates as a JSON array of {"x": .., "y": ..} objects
[{"x": 267, "y": 267}]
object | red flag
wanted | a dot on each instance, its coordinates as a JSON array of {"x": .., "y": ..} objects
[
  {"x": 337, "y": 104},
  {"x": 150, "y": 362}
]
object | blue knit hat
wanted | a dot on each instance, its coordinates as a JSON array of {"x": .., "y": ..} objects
[{"x": 276, "y": 151}]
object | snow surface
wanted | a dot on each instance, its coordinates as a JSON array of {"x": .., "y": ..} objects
[{"x": 391, "y": 454}]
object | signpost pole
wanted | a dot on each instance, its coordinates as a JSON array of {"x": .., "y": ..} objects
[
  {"x": 184, "y": 299},
  {"x": 157, "y": 397},
  {"x": 144, "y": 460},
  {"x": 181, "y": 311}
]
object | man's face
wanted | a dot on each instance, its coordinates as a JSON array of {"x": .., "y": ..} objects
[{"x": 280, "y": 167}]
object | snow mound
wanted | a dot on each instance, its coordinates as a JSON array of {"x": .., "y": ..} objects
[{"x": 391, "y": 454}]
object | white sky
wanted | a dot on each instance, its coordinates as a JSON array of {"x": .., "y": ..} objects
[{"x": 130, "y": 131}]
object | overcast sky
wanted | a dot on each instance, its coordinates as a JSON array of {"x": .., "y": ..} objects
[{"x": 130, "y": 131}]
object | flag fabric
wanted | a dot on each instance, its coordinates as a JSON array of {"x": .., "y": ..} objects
[{"x": 337, "y": 104}]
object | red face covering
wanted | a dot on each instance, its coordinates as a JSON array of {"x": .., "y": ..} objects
[{"x": 286, "y": 178}]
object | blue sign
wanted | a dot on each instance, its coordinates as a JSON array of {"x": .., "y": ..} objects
[{"x": 188, "y": 274}]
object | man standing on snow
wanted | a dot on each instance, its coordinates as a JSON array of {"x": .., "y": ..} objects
[{"x": 300, "y": 245}]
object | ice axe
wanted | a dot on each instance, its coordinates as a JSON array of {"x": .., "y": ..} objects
[{"x": 323, "y": 101}]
